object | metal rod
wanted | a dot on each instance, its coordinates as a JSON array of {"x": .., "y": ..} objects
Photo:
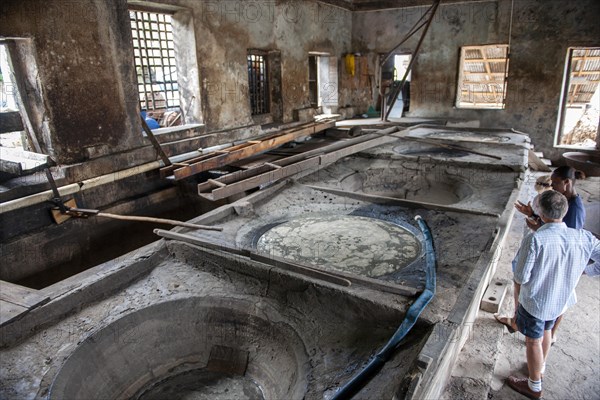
[
  {"x": 432, "y": 9},
  {"x": 275, "y": 261},
  {"x": 155, "y": 143}
]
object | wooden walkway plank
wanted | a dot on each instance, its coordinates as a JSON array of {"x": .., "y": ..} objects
[
  {"x": 17, "y": 300},
  {"x": 240, "y": 181},
  {"x": 271, "y": 175},
  {"x": 246, "y": 150},
  {"x": 21, "y": 296},
  {"x": 10, "y": 311}
]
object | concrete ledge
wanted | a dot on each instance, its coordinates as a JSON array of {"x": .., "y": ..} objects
[
  {"x": 82, "y": 289},
  {"x": 448, "y": 338}
]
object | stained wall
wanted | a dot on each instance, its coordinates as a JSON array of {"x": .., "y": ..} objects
[{"x": 539, "y": 36}]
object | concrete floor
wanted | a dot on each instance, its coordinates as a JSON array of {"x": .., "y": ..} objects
[{"x": 492, "y": 354}]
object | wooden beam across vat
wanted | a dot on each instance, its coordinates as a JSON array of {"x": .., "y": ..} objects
[
  {"x": 231, "y": 154},
  {"x": 241, "y": 181},
  {"x": 16, "y": 300}
]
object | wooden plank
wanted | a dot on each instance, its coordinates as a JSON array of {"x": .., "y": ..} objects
[
  {"x": 21, "y": 296},
  {"x": 59, "y": 217},
  {"x": 403, "y": 202},
  {"x": 10, "y": 121},
  {"x": 17, "y": 161},
  {"x": 11, "y": 167},
  {"x": 246, "y": 150},
  {"x": 216, "y": 183},
  {"x": 255, "y": 161},
  {"x": 10, "y": 312},
  {"x": 248, "y": 179},
  {"x": 337, "y": 277},
  {"x": 480, "y": 60},
  {"x": 535, "y": 163},
  {"x": 268, "y": 164},
  {"x": 221, "y": 160},
  {"x": 267, "y": 177},
  {"x": 285, "y": 264}
]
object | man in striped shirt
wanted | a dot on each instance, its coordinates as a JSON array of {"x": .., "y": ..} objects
[{"x": 549, "y": 265}]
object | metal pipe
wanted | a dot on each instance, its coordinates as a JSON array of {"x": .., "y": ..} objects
[
  {"x": 377, "y": 362},
  {"x": 72, "y": 188},
  {"x": 48, "y": 195},
  {"x": 395, "y": 93}
]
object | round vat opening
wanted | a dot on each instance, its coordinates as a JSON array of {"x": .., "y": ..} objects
[
  {"x": 347, "y": 243},
  {"x": 430, "y": 151},
  {"x": 397, "y": 183},
  {"x": 205, "y": 348},
  {"x": 468, "y": 136}
]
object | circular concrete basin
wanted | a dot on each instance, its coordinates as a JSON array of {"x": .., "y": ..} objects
[
  {"x": 347, "y": 243},
  {"x": 433, "y": 151},
  {"x": 468, "y": 136},
  {"x": 397, "y": 183},
  {"x": 200, "y": 348}
]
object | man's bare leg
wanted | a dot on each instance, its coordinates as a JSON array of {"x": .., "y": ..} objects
[
  {"x": 556, "y": 323},
  {"x": 535, "y": 356}
]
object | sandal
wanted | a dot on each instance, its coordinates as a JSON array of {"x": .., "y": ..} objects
[{"x": 506, "y": 321}]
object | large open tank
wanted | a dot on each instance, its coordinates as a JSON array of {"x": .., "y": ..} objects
[
  {"x": 189, "y": 347},
  {"x": 307, "y": 281},
  {"x": 207, "y": 325}
]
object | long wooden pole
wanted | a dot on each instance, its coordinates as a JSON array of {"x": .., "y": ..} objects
[
  {"x": 159, "y": 221},
  {"x": 337, "y": 277}
]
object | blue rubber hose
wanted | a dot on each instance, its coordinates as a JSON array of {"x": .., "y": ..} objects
[{"x": 377, "y": 362}]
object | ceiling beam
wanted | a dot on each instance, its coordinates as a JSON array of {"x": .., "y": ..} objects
[{"x": 374, "y": 5}]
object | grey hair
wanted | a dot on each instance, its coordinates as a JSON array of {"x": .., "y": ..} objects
[{"x": 552, "y": 205}]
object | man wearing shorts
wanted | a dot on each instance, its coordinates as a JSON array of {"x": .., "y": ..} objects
[{"x": 549, "y": 265}]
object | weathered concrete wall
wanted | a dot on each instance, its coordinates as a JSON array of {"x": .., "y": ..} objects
[
  {"x": 542, "y": 31},
  {"x": 86, "y": 80},
  {"x": 225, "y": 30}
]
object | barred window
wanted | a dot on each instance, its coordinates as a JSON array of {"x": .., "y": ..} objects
[
  {"x": 155, "y": 64},
  {"x": 258, "y": 83}
]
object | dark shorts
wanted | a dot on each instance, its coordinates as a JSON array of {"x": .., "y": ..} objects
[{"x": 530, "y": 326}]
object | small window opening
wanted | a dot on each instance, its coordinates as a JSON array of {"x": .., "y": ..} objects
[
  {"x": 12, "y": 132},
  {"x": 156, "y": 67},
  {"x": 17, "y": 154},
  {"x": 258, "y": 83},
  {"x": 313, "y": 81},
  {"x": 401, "y": 62},
  {"x": 580, "y": 102},
  {"x": 482, "y": 77}
]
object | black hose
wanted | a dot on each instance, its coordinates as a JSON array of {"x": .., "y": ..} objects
[{"x": 377, "y": 362}]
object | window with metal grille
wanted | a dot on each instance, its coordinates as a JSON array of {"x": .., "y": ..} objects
[
  {"x": 155, "y": 64},
  {"x": 258, "y": 83},
  {"x": 482, "y": 76}
]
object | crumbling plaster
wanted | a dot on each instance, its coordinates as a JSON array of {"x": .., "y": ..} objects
[
  {"x": 541, "y": 33},
  {"x": 226, "y": 30},
  {"x": 81, "y": 50}
]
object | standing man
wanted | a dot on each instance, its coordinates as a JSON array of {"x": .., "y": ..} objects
[{"x": 549, "y": 265}]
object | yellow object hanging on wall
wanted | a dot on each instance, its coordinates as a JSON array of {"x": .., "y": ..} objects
[{"x": 350, "y": 64}]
